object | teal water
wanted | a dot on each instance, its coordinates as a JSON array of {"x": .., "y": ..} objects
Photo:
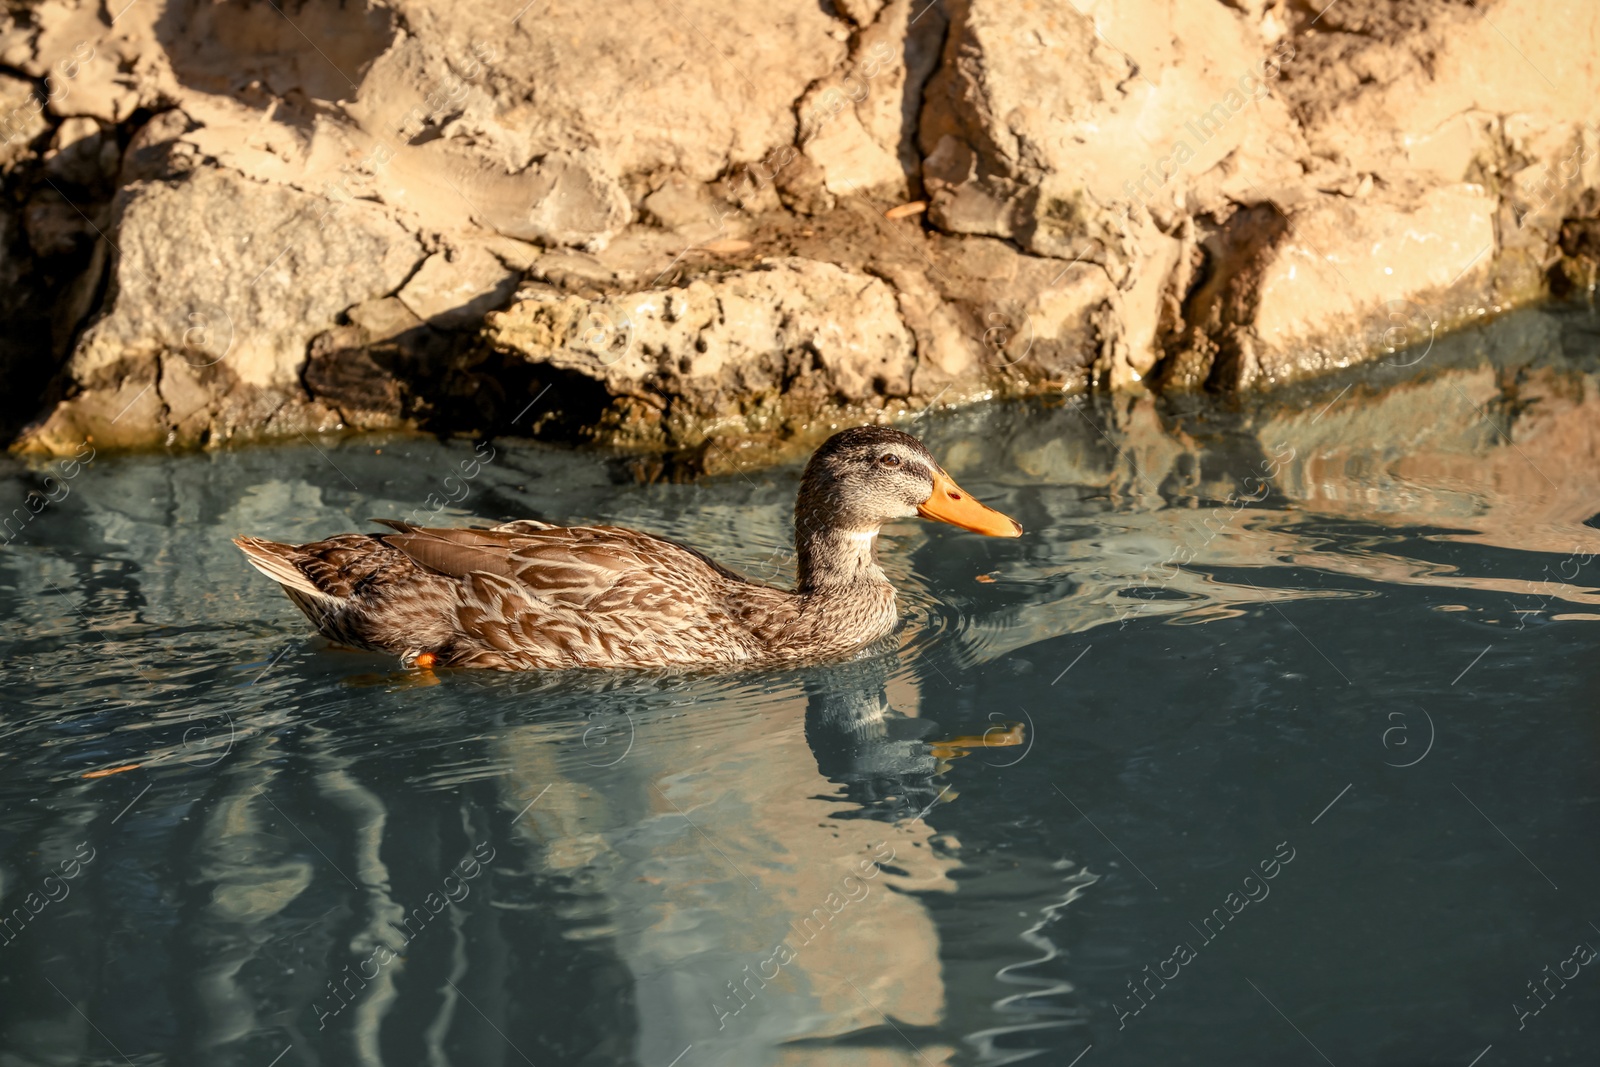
[{"x": 1281, "y": 747}]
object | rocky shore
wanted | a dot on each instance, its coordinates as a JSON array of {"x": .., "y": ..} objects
[{"x": 713, "y": 230}]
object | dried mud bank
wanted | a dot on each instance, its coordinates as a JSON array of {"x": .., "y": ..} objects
[{"x": 237, "y": 221}]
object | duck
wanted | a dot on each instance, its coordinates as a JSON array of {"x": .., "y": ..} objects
[{"x": 531, "y": 595}]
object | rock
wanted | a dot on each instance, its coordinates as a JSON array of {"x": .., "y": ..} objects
[
  {"x": 383, "y": 319},
  {"x": 683, "y": 205},
  {"x": 802, "y": 186},
  {"x": 751, "y": 349},
  {"x": 1342, "y": 266},
  {"x": 1127, "y": 195},
  {"x": 572, "y": 201},
  {"x": 348, "y": 375},
  {"x": 22, "y": 119},
  {"x": 989, "y": 122},
  {"x": 991, "y": 319},
  {"x": 854, "y": 124},
  {"x": 455, "y": 290},
  {"x": 157, "y": 149},
  {"x": 57, "y": 227},
  {"x": 81, "y": 154},
  {"x": 861, "y": 12},
  {"x": 1029, "y": 121},
  {"x": 1305, "y": 288},
  {"x": 387, "y": 368},
  {"x": 220, "y": 285}
]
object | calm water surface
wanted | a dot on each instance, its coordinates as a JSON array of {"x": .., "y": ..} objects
[{"x": 1273, "y": 741}]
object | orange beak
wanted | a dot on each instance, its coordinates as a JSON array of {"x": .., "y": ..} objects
[{"x": 950, "y": 503}]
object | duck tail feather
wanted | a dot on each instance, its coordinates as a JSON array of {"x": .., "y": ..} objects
[{"x": 277, "y": 561}]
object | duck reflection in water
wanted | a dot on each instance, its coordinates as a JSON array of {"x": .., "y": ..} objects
[
  {"x": 882, "y": 756},
  {"x": 758, "y": 865}
]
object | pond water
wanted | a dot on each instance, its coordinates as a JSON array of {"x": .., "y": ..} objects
[{"x": 1273, "y": 740}]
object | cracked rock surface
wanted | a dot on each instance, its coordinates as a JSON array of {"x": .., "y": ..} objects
[{"x": 675, "y": 228}]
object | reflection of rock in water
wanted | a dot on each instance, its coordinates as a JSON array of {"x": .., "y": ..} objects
[
  {"x": 281, "y": 889},
  {"x": 1168, "y": 511}
]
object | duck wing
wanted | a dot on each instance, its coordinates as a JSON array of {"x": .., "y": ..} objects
[
  {"x": 546, "y": 596},
  {"x": 455, "y": 551}
]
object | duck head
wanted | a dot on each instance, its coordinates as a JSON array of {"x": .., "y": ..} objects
[{"x": 866, "y": 476}]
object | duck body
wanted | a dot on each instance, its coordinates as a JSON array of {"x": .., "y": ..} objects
[{"x": 530, "y": 595}]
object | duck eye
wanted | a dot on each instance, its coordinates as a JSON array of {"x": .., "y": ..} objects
[{"x": 889, "y": 460}]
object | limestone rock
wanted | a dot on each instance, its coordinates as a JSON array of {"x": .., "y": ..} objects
[
  {"x": 726, "y": 349},
  {"x": 21, "y": 118},
  {"x": 1324, "y": 285},
  {"x": 57, "y": 227},
  {"x": 1225, "y": 195},
  {"x": 1342, "y": 266},
  {"x": 861, "y": 12},
  {"x": 572, "y": 201},
  {"x": 855, "y": 124},
  {"x": 383, "y": 319},
  {"x": 1040, "y": 128},
  {"x": 683, "y": 205},
  {"x": 219, "y": 287},
  {"x": 454, "y": 290},
  {"x": 81, "y": 153}
]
